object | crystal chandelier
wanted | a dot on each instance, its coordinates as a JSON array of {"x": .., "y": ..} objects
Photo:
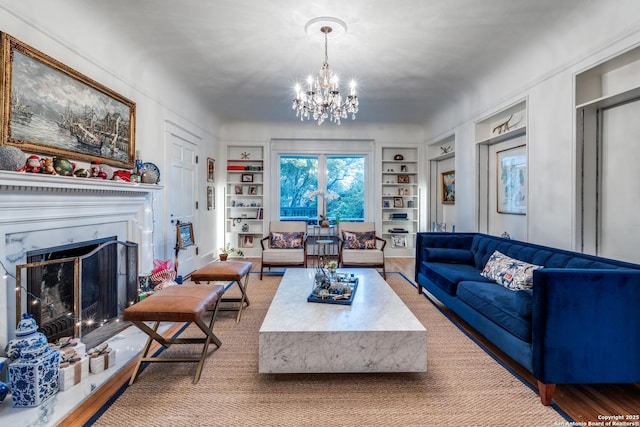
[{"x": 321, "y": 97}]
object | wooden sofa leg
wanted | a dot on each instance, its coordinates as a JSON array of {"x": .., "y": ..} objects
[
  {"x": 419, "y": 289},
  {"x": 546, "y": 392}
]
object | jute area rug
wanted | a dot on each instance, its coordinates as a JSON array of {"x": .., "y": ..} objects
[{"x": 463, "y": 385}]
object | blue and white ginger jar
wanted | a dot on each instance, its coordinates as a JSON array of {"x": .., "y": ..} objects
[{"x": 33, "y": 372}]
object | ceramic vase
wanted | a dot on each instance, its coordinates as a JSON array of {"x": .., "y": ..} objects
[
  {"x": 33, "y": 372},
  {"x": 4, "y": 389}
]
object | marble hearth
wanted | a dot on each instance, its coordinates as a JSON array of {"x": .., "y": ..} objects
[{"x": 39, "y": 211}]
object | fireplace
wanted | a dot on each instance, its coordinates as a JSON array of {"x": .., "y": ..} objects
[{"x": 81, "y": 289}]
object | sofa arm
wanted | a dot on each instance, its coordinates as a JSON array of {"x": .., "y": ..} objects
[{"x": 585, "y": 326}]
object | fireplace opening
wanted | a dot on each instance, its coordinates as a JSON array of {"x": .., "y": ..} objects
[{"x": 106, "y": 274}]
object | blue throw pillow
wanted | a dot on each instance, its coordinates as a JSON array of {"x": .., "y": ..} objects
[{"x": 449, "y": 255}]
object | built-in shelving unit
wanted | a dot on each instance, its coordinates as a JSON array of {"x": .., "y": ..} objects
[
  {"x": 244, "y": 199},
  {"x": 399, "y": 197}
]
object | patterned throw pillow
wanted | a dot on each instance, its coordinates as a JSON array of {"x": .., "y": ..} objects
[
  {"x": 359, "y": 240},
  {"x": 286, "y": 240},
  {"x": 511, "y": 273}
]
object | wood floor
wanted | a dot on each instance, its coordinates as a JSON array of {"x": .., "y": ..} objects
[{"x": 582, "y": 403}]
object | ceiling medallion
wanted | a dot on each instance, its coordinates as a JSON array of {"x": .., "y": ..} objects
[{"x": 320, "y": 98}]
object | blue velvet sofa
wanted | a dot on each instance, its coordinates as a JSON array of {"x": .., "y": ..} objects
[{"x": 578, "y": 324}]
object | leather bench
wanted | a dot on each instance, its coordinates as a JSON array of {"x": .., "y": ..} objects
[
  {"x": 184, "y": 303},
  {"x": 233, "y": 271}
]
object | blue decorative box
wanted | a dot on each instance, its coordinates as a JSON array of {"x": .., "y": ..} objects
[{"x": 33, "y": 372}]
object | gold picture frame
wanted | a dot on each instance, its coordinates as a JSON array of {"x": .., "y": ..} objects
[
  {"x": 448, "y": 187},
  {"x": 49, "y": 108}
]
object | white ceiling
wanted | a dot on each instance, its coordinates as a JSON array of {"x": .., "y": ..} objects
[{"x": 410, "y": 57}]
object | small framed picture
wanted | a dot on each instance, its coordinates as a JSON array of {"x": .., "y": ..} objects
[
  {"x": 253, "y": 190},
  {"x": 184, "y": 232},
  {"x": 398, "y": 202},
  {"x": 211, "y": 169},
  {"x": 403, "y": 179},
  {"x": 403, "y": 168},
  {"x": 238, "y": 189},
  {"x": 386, "y": 203},
  {"x": 448, "y": 190},
  {"x": 211, "y": 201},
  {"x": 247, "y": 242},
  {"x": 247, "y": 177}
]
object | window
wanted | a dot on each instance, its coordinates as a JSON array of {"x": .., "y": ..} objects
[{"x": 314, "y": 185}]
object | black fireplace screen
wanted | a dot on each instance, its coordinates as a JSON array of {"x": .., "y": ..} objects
[{"x": 107, "y": 277}]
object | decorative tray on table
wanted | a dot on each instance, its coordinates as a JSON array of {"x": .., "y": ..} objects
[{"x": 333, "y": 288}]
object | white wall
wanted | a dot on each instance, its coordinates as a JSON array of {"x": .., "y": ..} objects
[
  {"x": 542, "y": 72},
  {"x": 88, "y": 45}
]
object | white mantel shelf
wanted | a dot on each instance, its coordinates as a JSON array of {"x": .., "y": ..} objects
[{"x": 32, "y": 182}]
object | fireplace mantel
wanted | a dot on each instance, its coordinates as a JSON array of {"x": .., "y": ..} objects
[{"x": 41, "y": 183}]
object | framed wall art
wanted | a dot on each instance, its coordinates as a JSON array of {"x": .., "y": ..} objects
[
  {"x": 511, "y": 176},
  {"x": 247, "y": 177},
  {"x": 448, "y": 187},
  {"x": 48, "y": 108},
  {"x": 184, "y": 231},
  {"x": 211, "y": 198},
  {"x": 211, "y": 169}
]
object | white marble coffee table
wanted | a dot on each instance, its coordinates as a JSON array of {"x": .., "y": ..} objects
[{"x": 377, "y": 333}]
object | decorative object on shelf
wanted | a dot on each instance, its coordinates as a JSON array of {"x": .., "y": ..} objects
[
  {"x": 398, "y": 241},
  {"x": 149, "y": 173},
  {"x": 74, "y": 367},
  {"x": 4, "y": 388},
  {"x": 245, "y": 227},
  {"x": 33, "y": 372},
  {"x": 47, "y": 166},
  {"x": 245, "y": 155},
  {"x": 439, "y": 227},
  {"x": 332, "y": 288},
  {"x": 403, "y": 179},
  {"x": 512, "y": 180},
  {"x": 211, "y": 169},
  {"x": 505, "y": 235},
  {"x": 410, "y": 204},
  {"x": 403, "y": 168},
  {"x": 448, "y": 189},
  {"x": 386, "y": 203},
  {"x": 398, "y": 157},
  {"x": 101, "y": 358},
  {"x": 326, "y": 197},
  {"x": 63, "y": 166},
  {"x": 238, "y": 189},
  {"x": 32, "y": 165},
  {"x": 446, "y": 149},
  {"x": 11, "y": 158},
  {"x": 247, "y": 177},
  {"x": 229, "y": 250},
  {"x": 398, "y": 202},
  {"x": 247, "y": 242},
  {"x": 94, "y": 120},
  {"x": 69, "y": 343},
  {"x": 163, "y": 274},
  {"x": 322, "y": 98},
  {"x": 502, "y": 127}
]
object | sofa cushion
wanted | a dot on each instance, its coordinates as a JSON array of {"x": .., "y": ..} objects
[
  {"x": 359, "y": 239},
  {"x": 496, "y": 303},
  {"x": 286, "y": 240},
  {"x": 509, "y": 272},
  {"x": 447, "y": 275},
  {"x": 524, "y": 302},
  {"x": 448, "y": 255}
]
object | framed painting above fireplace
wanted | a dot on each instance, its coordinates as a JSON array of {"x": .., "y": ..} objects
[{"x": 49, "y": 108}]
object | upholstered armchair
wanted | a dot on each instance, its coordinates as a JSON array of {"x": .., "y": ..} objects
[
  {"x": 360, "y": 247},
  {"x": 285, "y": 246}
]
